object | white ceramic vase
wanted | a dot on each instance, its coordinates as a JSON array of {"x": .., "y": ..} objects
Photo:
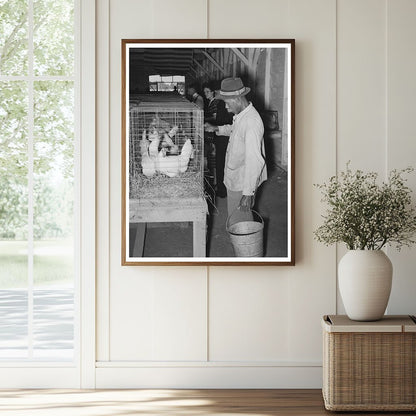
[{"x": 364, "y": 278}]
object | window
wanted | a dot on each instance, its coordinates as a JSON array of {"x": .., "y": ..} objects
[
  {"x": 167, "y": 83},
  {"x": 38, "y": 207}
]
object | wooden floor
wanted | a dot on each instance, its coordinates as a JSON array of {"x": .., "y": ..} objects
[{"x": 165, "y": 402}]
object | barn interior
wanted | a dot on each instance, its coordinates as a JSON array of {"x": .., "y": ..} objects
[{"x": 164, "y": 71}]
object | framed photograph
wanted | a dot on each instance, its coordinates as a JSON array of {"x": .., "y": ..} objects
[{"x": 208, "y": 134}]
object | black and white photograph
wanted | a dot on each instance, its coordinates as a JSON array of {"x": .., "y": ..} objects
[{"x": 208, "y": 152}]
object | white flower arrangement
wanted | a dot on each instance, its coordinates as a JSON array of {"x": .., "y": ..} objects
[{"x": 365, "y": 215}]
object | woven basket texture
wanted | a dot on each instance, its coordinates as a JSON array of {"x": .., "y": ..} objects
[{"x": 369, "y": 371}]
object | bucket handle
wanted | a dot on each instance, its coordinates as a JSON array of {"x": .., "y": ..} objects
[{"x": 227, "y": 224}]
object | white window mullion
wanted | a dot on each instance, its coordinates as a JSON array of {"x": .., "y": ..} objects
[
  {"x": 30, "y": 178},
  {"x": 77, "y": 188},
  {"x": 87, "y": 151}
]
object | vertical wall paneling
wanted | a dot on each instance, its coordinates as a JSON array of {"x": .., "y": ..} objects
[
  {"x": 361, "y": 84},
  {"x": 401, "y": 139},
  {"x": 162, "y": 317},
  {"x": 299, "y": 338},
  {"x": 236, "y": 19},
  {"x": 179, "y": 324},
  {"x": 361, "y": 88},
  {"x": 247, "y": 315},
  {"x": 312, "y": 280},
  {"x": 247, "y": 326},
  {"x": 149, "y": 305}
]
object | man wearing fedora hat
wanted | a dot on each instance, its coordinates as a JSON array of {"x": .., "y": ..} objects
[{"x": 244, "y": 163}]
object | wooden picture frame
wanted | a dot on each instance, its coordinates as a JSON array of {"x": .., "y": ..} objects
[{"x": 173, "y": 209}]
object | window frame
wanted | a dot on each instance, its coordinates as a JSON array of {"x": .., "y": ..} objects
[{"x": 81, "y": 371}]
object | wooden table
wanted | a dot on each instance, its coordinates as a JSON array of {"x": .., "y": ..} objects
[{"x": 169, "y": 210}]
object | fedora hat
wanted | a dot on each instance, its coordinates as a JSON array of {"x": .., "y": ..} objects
[{"x": 232, "y": 88}]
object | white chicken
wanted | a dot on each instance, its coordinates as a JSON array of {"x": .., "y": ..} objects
[
  {"x": 166, "y": 164},
  {"x": 153, "y": 135},
  {"x": 154, "y": 144},
  {"x": 167, "y": 139},
  {"x": 154, "y": 160},
  {"x": 186, "y": 153},
  {"x": 173, "y": 131},
  {"x": 144, "y": 144},
  {"x": 173, "y": 165},
  {"x": 148, "y": 165},
  {"x": 168, "y": 142}
]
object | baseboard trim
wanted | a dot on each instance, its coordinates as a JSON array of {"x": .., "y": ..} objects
[
  {"x": 210, "y": 377},
  {"x": 204, "y": 364}
]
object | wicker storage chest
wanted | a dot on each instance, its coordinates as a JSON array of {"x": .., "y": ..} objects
[{"x": 369, "y": 366}]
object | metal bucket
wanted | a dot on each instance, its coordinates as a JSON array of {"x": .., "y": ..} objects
[{"x": 247, "y": 236}]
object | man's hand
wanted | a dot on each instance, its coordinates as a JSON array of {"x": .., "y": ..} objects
[
  {"x": 210, "y": 128},
  {"x": 246, "y": 203}
]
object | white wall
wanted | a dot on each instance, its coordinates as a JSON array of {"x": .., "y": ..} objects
[{"x": 252, "y": 326}]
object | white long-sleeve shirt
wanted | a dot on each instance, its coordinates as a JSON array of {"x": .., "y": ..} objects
[{"x": 245, "y": 167}]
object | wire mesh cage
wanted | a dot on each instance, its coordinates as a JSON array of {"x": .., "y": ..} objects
[{"x": 165, "y": 147}]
